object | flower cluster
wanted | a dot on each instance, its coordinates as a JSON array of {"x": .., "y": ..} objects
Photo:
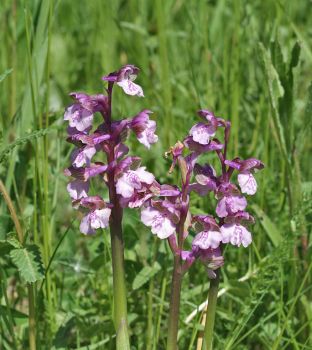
[
  {"x": 170, "y": 216},
  {"x": 128, "y": 183}
]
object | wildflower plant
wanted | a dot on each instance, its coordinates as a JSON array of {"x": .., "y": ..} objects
[
  {"x": 123, "y": 176},
  {"x": 170, "y": 217},
  {"x": 164, "y": 208}
]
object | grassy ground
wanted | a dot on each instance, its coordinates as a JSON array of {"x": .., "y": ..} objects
[{"x": 248, "y": 61}]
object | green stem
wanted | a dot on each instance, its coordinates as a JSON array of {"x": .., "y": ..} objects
[
  {"x": 172, "y": 339},
  {"x": 31, "y": 316},
  {"x": 117, "y": 246},
  {"x": 211, "y": 312}
]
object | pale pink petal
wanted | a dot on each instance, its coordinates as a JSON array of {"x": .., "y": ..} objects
[
  {"x": 85, "y": 226},
  {"x": 202, "y": 133},
  {"x": 247, "y": 183},
  {"x": 147, "y": 136},
  {"x": 100, "y": 218},
  {"x": 78, "y": 117},
  {"x": 144, "y": 175},
  {"x": 221, "y": 208},
  {"x": 235, "y": 234},
  {"x": 83, "y": 156},
  {"x": 78, "y": 189},
  {"x": 207, "y": 239},
  {"x": 130, "y": 88},
  {"x": 165, "y": 230},
  {"x": 147, "y": 215},
  {"x": 124, "y": 187}
]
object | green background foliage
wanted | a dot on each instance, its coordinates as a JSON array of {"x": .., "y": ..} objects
[{"x": 249, "y": 62}]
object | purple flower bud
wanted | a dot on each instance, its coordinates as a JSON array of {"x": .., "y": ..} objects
[
  {"x": 91, "y": 202},
  {"x": 206, "y": 178},
  {"x": 98, "y": 218},
  {"x": 144, "y": 128},
  {"x": 176, "y": 152},
  {"x": 83, "y": 174},
  {"x": 213, "y": 259},
  {"x": 240, "y": 217},
  {"x": 197, "y": 147}
]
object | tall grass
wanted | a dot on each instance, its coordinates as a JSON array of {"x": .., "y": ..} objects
[{"x": 250, "y": 62}]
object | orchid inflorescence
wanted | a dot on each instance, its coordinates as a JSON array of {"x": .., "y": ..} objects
[
  {"x": 131, "y": 180},
  {"x": 171, "y": 218}
]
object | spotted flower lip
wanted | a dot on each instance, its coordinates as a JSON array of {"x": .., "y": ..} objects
[
  {"x": 159, "y": 222},
  {"x": 124, "y": 78},
  {"x": 132, "y": 180},
  {"x": 235, "y": 234},
  {"x": 202, "y": 133},
  {"x": 246, "y": 180},
  {"x": 207, "y": 239},
  {"x": 79, "y": 117},
  {"x": 95, "y": 219},
  {"x": 230, "y": 204}
]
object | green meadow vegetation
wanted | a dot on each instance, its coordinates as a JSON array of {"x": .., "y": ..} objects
[{"x": 249, "y": 62}]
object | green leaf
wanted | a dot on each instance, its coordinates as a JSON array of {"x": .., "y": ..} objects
[
  {"x": 269, "y": 227},
  {"x": 276, "y": 91},
  {"x": 145, "y": 275},
  {"x": 29, "y": 263},
  {"x": 5, "y": 74},
  {"x": 19, "y": 317},
  {"x": 13, "y": 240},
  {"x": 295, "y": 54},
  {"x": 6, "y": 245}
]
